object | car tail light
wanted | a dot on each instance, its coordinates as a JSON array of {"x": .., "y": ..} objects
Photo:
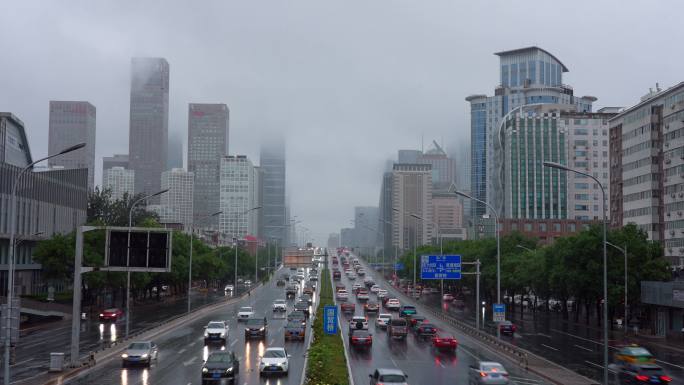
[
  {"x": 438, "y": 340},
  {"x": 483, "y": 374},
  {"x": 641, "y": 377},
  {"x": 665, "y": 378}
]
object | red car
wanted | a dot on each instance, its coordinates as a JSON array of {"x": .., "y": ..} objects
[
  {"x": 444, "y": 342},
  {"x": 360, "y": 337},
  {"x": 347, "y": 307},
  {"x": 111, "y": 315},
  {"x": 507, "y": 327}
]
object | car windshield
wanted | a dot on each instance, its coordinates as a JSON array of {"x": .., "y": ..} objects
[
  {"x": 636, "y": 352},
  {"x": 493, "y": 368},
  {"x": 409, "y": 308},
  {"x": 360, "y": 333},
  {"x": 139, "y": 346},
  {"x": 280, "y": 301},
  {"x": 255, "y": 322},
  {"x": 215, "y": 325},
  {"x": 275, "y": 354},
  {"x": 392, "y": 378},
  {"x": 219, "y": 357},
  {"x": 427, "y": 326},
  {"x": 294, "y": 324},
  {"x": 245, "y": 309}
]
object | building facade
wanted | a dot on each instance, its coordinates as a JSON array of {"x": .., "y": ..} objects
[
  {"x": 273, "y": 213},
  {"x": 366, "y": 226},
  {"x": 176, "y": 204},
  {"x": 71, "y": 123},
  {"x": 527, "y": 76},
  {"x": 207, "y": 144},
  {"x": 149, "y": 122},
  {"x": 117, "y": 160},
  {"x": 648, "y": 168},
  {"x": 237, "y": 197},
  {"x": 385, "y": 212},
  {"x": 119, "y": 181},
  {"x": 411, "y": 194},
  {"x": 47, "y": 203},
  {"x": 447, "y": 215},
  {"x": 333, "y": 242},
  {"x": 443, "y": 167},
  {"x": 174, "y": 156}
]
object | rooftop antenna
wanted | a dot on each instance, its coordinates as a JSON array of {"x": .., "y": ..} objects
[
  {"x": 657, "y": 87},
  {"x": 421, "y": 144}
]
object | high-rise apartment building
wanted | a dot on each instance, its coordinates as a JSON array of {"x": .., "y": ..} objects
[
  {"x": 548, "y": 132},
  {"x": 647, "y": 168},
  {"x": 149, "y": 122},
  {"x": 71, "y": 123},
  {"x": 411, "y": 194},
  {"x": 272, "y": 159},
  {"x": 238, "y": 195},
  {"x": 528, "y": 76},
  {"x": 207, "y": 144},
  {"x": 119, "y": 181},
  {"x": 176, "y": 204}
]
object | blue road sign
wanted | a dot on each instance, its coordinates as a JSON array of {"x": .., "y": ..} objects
[
  {"x": 499, "y": 312},
  {"x": 330, "y": 319},
  {"x": 398, "y": 266},
  {"x": 440, "y": 267}
]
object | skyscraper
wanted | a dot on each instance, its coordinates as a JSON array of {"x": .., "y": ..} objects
[
  {"x": 72, "y": 123},
  {"x": 411, "y": 194},
  {"x": 174, "y": 157},
  {"x": 14, "y": 149},
  {"x": 272, "y": 161},
  {"x": 238, "y": 197},
  {"x": 443, "y": 167},
  {"x": 207, "y": 144},
  {"x": 176, "y": 204},
  {"x": 149, "y": 122},
  {"x": 528, "y": 76},
  {"x": 117, "y": 160},
  {"x": 119, "y": 181}
]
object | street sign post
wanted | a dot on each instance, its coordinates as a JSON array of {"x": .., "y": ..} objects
[
  {"x": 330, "y": 319},
  {"x": 440, "y": 267},
  {"x": 499, "y": 312},
  {"x": 398, "y": 266}
]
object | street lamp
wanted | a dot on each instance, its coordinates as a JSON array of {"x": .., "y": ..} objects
[
  {"x": 10, "y": 259},
  {"x": 236, "y": 244},
  {"x": 605, "y": 263},
  {"x": 524, "y": 248},
  {"x": 128, "y": 253},
  {"x": 192, "y": 236},
  {"x": 624, "y": 251},
  {"x": 498, "y": 247}
]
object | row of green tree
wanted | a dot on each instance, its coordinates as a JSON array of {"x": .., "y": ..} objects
[
  {"x": 568, "y": 271},
  {"x": 211, "y": 266}
]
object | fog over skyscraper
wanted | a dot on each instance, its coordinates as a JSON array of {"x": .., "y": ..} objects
[
  {"x": 272, "y": 161},
  {"x": 73, "y": 122},
  {"x": 149, "y": 122}
]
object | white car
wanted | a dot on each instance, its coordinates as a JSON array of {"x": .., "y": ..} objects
[
  {"x": 375, "y": 289},
  {"x": 362, "y": 295},
  {"x": 342, "y": 295},
  {"x": 274, "y": 360},
  {"x": 352, "y": 276},
  {"x": 447, "y": 297},
  {"x": 228, "y": 288},
  {"x": 248, "y": 283},
  {"x": 356, "y": 287},
  {"x": 139, "y": 352},
  {"x": 244, "y": 313},
  {"x": 392, "y": 304},
  {"x": 280, "y": 305},
  {"x": 382, "y": 293},
  {"x": 216, "y": 331},
  {"x": 355, "y": 320},
  {"x": 383, "y": 320}
]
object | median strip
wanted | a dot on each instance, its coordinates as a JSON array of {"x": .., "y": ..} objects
[{"x": 326, "y": 364}]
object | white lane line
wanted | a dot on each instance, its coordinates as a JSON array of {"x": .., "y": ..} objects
[
  {"x": 667, "y": 363},
  {"x": 233, "y": 343},
  {"x": 180, "y": 351},
  {"x": 468, "y": 352},
  {"x": 593, "y": 364},
  {"x": 23, "y": 362},
  {"x": 189, "y": 362},
  {"x": 549, "y": 347},
  {"x": 578, "y": 337},
  {"x": 583, "y": 348},
  {"x": 544, "y": 335}
]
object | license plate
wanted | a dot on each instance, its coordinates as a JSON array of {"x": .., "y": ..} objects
[
  {"x": 133, "y": 359},
  {"x": 495, "y": 375},
  {"x": 273, "y": 368},
  {"x": 216, "y": 375}
]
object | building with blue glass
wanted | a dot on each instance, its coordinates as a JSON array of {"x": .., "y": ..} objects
[{"x": 527, "y": 76}]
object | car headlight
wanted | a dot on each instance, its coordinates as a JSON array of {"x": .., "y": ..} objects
[
  {"x": 205, "y": 370},
  {"x": 144, "y": 355},
  {"x": 101, "y": 315},
  {"x": 124, "y": 355},
  {"x": 223, "y": 334},
  {"x": 206, "y": 333},
  {"x": 262, "y": 329},
  {"x": 229, "y": 370}
]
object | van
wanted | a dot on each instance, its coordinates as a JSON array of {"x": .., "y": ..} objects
[{"x": 398, "y": 327}]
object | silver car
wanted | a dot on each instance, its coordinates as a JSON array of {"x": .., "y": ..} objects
[
  {"x": 487, "y": 372},
  {"x": 388, "y": 377},
  {"x": 139, "y": 352}
]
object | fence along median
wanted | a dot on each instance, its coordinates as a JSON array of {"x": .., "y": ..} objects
[{"x": 326, "y": 364}]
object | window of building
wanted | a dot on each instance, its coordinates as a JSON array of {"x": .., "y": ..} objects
[
  {"x": 542, "y": 227},
  {"x": 528, "y": 227},
  {"x": 571, "y": 227},
  {"x": 557, "y": 227}
]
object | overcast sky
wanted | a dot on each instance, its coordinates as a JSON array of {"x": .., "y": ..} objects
[{"x": 348, "y": 82}]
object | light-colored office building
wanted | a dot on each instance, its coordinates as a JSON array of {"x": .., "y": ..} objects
[
  {"x": 527, "y": 76},
  {"x": 447, "y": 215},
  {"x": 119, "y": 181},
  {"x": 411, "y": 194},
  {"x": 207, "y": 144},
  {"x": 443, "y": 167},
  {"x": 239, "y": 192},
  {"x": 71, "y": 123},
  {"x": 176, "y": 204},
  {"x": 647, "y": 168},
  {"x": 149, "y": 123}
]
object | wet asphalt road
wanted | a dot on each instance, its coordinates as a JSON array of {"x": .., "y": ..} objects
[
  {"x": 415, "y": 356},
  {"x": 182, "y": 351}
]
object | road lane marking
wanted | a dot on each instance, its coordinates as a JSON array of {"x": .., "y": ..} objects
[
  {"x": 578, "y": 337},
  {"x": 593, "y": 364},
  {"x": 544, "y": 335},
  {"x": 22, "y": 362},
  {"x": 181, "y": 351},
  {"x": 583, "y": 348},
  {"x": 549, "y": 347},
  {"x": 190, "y": 361},
  {"x": 667, "y": 363},
  {"x": 233, "y": 343}
]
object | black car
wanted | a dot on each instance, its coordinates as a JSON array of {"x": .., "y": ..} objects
[
  {"x": 426, "y": 330},
  {"x": 306, "y": 297},
  {"x": 291, "y": 291},
  {"x": 302, "y": 306},
  {"x": 256, "y": 327},
  {"x": 297, "y": 315},
  {"x": 280, "y": 282},
  {"x": 219, "y": 367},
  {"x": 642, "y": 374}
]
